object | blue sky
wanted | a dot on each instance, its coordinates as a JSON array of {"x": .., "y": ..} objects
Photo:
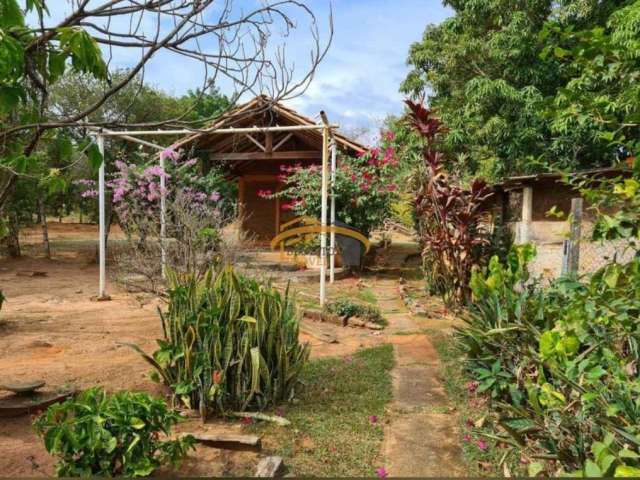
[{"x": 357, "y": 82}]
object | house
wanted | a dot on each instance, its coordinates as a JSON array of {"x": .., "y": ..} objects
[
  {"x": 526, "y": 202},
  {"x": 256, "y": 160}
]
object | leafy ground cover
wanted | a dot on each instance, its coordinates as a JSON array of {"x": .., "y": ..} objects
[{"x": 343, "y": 399}]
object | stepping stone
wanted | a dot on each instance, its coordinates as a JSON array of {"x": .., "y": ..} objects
[
  {"x": 22, "y": 387},
  {"x": 229, "y": 441},
  {"x": 17, "y": 405},
  {"x": 270, "y": 467}
]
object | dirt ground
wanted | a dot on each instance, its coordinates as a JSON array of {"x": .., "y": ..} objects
[{"x": 52, "y": 328}]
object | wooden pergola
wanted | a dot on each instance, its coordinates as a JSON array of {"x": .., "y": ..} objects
[{"x": 253, "y": 136}]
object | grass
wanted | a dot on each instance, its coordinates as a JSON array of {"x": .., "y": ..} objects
[
  {"x": 331, "y": 433},
  {"x": 472, "y": 409},
  {"x": 367, "y": 295}
]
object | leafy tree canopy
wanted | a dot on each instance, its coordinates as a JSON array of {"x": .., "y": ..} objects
[{"x": 515, "y": 85}]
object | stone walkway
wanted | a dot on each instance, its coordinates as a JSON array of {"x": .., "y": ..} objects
[{"x": 421, "y": 439}]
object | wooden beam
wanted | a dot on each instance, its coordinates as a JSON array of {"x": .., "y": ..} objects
[
  {"x": 277, "y": 155},
  {"x": 256, "y": 142},
  {"x": 268, "y": 142},
  {"x": 282, "y": 142}
]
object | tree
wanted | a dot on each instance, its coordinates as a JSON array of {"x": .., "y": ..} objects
[
  {"x": 35, "y": 52},
  {"x": 485, "y": 75},
  {"x": 603, "y": 93}
]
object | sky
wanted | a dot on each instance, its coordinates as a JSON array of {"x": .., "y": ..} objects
[{"x": 356, "y": 83}]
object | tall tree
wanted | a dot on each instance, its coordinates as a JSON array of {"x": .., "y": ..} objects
[
  {"x": 228, "y": 40},
  {"x": 484, "y": 72}
]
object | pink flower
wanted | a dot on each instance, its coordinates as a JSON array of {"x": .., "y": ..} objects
[
  {"x": 264, "y": 193},
  {"x": 389, "y": 136},
  {"x": 169, "y": 153},
  {"x": 466, "y": 438},
  {"x": 381, "y": 472},
  {"x": 89, "y": 194},
  {"x": 287, "y": 206},
  {"x": 214, "y": 197},
  {"x": 392, "y": 188},
  {"x": 482, "y": 445},
  {"x": 373, "y": 419},
  {"x": 472, "y": 386}
]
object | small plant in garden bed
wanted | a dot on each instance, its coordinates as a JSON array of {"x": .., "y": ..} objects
[
  {"x": 347, "y": 308},
  {"x": 96, "y": 434},
  {"x": 230, "y": 343}
]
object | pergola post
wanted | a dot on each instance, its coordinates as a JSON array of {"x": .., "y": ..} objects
[
  {"x": 163, "y": 219},
  {"x": 332, "y": 241},
  {"x": 102, "y": 292},
  {"x": 323, "y": 217}
]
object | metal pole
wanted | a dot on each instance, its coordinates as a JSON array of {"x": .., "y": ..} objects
[
  {"x": 102, "y": 294},
  {"x": 332, "y": 241},
  {"x": 163, "y": 219},
  {"x": 323, "y": 218}
]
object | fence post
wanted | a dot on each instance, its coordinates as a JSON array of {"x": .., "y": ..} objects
[{"x": 576, "y": 233}]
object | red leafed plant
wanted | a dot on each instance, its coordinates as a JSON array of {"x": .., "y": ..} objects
[{"x": 450, "y": 219}]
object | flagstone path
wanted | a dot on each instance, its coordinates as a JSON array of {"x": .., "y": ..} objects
[{"x": 421, "y": 439}]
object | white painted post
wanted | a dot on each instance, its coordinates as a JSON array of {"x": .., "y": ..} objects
[
  {"x": 323, "y": 217},
  {"x": 332, "y": 241},
  {"x": 102, "y": 294},
  {"x": 527, "y": 214},
  {"x": 163, "y": 218}
]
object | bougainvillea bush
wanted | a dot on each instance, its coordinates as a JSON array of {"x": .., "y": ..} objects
[
  {"x": 198, "y": 207},
  {"x": 450, "y": 219},
  {"x": 365, "y": 188}
]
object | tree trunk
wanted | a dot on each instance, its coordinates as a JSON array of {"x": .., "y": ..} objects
[
  {"x": 45, "y": 229},
  {"x": 13, "y": 240}
]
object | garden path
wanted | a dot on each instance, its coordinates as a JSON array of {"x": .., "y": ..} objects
[{"x": 421, "y": 439}]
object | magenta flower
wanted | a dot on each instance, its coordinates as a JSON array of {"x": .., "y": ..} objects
[
  {"x": 381, "y": 472},
  {"x": 482, "y": 445},
  {"x": 373, "y": 419},
  {"x": 467, "y": 438}
]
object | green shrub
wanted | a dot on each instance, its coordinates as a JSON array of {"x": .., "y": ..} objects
[
  {"x": 230, "y": 343},
  {"x": 347, "y": 308},
  {"x": 96, "y": 434},
  {"x": 560, "y": 363}
]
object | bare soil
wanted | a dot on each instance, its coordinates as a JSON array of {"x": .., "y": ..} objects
[{"x": 52, "y": 328}]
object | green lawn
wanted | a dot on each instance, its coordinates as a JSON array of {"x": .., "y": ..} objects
[{"x": 331, "y": 432}]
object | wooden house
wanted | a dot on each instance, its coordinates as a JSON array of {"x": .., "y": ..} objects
[{"x": 257, "y": 160}]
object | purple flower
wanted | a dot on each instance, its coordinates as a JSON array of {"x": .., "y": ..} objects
[
  {"x": 89, "y": 194},
  {"x": 214, "y": 197},
  {"x": 169, "y": 153},
  {"x": 381, "y": 472}
]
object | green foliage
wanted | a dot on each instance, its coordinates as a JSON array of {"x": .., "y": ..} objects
[
  {"x": 96, "y": 434},
  {"x": 517, "y": 98},
  {"x": 560, "y": 361},
  {"x": 347, "y": 308},
  {"x": 230, "y": 343}
]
